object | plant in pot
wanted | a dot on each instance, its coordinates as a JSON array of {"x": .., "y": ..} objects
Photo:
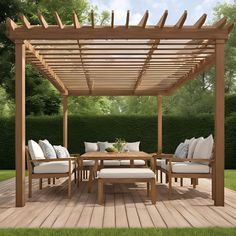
[{"x": 119, "y": 144}]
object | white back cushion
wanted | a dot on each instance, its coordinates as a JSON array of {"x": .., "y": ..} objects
[
  {"x": 48, "y": 149},
  {"x": 204, "y": 148},
  {"x": 61, "y": 152},
  {"x": 132, "y": 147},
  {"x": 90, "y": 147},
  {"x": 35, "y": 150},
  {"x": 192, "y": 146},
  {"x": 188, "y": 141}
]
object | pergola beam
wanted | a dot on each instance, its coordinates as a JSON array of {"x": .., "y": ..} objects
[
  {"x": 132, "y": 32},
  {"x": 43, "y": 21},
  {"x": 144, "y": 19},
  {"x": 75, "y": 20},
  {"x": 54, "y": 79}
]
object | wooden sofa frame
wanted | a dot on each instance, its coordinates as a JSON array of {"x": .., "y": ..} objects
[
  {"x": 32, "y": 175},
  {"x": 169, "y": 158}
]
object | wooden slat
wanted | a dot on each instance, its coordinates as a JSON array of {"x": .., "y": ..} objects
[
  {"x": 200, "y": 21},
  {"x": 25, "y": 21},
  {"x": 50, "y": 74},
  {"x": 112, "y": 18},
  {"x": 162, "y": 20},
  {"x": 75, "y": 20},
  {"x": 88, "y": 80},
  {"x": 92, "y": 19},
  {"x": 221, "y": 23},
  {"x": 181, "y": 20},
  {"x": 127, "y": 20},
  {"x": 43, "y": 21},
  {"x": 58, "y": 20},
  {"x": 144, "y": 19}
]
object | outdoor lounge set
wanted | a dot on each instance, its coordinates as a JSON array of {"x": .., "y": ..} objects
[{"x": 193, "y": 159}]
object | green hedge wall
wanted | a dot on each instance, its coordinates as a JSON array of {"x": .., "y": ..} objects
[{"x": 107, "y": 128}]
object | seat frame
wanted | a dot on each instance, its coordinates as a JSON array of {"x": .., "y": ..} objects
[
  {"x": 170, "y": 158},
  {"x": 40, "y": 176},
  {"x": 149, "y": 181}
]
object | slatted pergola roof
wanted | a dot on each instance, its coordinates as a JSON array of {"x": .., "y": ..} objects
[{"x": 119, "y": 59}]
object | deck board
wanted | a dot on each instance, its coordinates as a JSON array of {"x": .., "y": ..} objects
[{"x": 126, "y": 205}]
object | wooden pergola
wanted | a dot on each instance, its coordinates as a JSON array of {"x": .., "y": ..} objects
[{"x": 115, "y": 60}]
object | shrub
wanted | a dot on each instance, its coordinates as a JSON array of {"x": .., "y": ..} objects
[{"x": 107, "y": 128}]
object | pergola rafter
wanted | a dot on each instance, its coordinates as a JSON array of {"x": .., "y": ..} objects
[{"x": 113, "y": 60}]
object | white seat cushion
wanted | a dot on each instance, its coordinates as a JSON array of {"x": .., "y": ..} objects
[
  {"x": 53, "y": 167},
  {"x": 122, "y": 173},
  {"x": 136, "y": 162},
  {"x": 189, "y": 167},
  {"x": 88, "y": 163},
  {"x": 111, "y": 163}
]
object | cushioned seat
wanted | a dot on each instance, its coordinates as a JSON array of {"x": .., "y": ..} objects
[
  {"x": 53, "y": 167},
  {"x": 111, "y": 163},
  {"x": 120, "y": 173},
  {"x": 188, "y": 167},
  {"x": 88, "y": 163},
  {"x": 136, "y": 162}
]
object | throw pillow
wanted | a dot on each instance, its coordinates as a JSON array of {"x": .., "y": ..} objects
[
  {"x": 132, "y": 147},
  {"x": 204, "y": 148},
  {"x": 102, "y": 146},
  {"x": 48, "y": 149},
  {"x": 182, "y": 150},
  {"x": 61, "y": 152},
  {"x": 90, "y": 147}
]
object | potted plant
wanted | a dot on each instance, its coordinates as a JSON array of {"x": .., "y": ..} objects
[{"x": 119, "y": 144}]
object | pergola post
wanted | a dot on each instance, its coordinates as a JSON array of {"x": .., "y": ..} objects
[
  {"x": 219, "y": 125},
  {"x": 159, "y": 124},
  {"x": 65, "y": 121},
  {"x": 20, "y": 122}
]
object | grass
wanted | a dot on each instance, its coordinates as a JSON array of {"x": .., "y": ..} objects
[
  {"x": 230, "y": 177},
  {"x": 6, "y": 174},
  {"x": 120, "y": 232}
]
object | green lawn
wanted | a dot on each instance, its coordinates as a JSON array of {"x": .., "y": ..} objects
[
  {"x": 230, "y": 177},
  {"x": 6, "y": 174},
  {"x": 120, "y": 232}
]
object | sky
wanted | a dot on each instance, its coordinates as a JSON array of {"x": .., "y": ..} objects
[{"x": 156, "y": 8}]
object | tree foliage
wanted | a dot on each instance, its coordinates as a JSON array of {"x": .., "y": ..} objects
[{"x": 196, "y": 97}]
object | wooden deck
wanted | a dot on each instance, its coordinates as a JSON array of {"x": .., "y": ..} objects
[{"x": 125, "y": 206}]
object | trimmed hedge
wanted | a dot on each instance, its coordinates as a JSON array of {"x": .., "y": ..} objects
[{"x": 107, "y": 128}]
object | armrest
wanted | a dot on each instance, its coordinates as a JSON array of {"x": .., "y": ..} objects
[
  {"x": 165, "y": 156},
  {"x": 54, "y": 159},
  {"x": 198, "y": 160}
]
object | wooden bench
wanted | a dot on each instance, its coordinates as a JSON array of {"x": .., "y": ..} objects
[{"x": 126, "y": 175}]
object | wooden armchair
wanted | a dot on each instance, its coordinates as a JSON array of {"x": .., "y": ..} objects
[
  {"x": 50, "y": 168},
  {"x": 193, "y": 168}
]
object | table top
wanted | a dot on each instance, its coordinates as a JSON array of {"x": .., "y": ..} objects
[{"x": 116, "y": 155}]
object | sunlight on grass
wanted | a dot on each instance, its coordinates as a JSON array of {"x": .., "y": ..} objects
[
  {"x": 230, "y": 179},
  {"x": 120, "y": 232},
  {"x": 6, "y": 174}
]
